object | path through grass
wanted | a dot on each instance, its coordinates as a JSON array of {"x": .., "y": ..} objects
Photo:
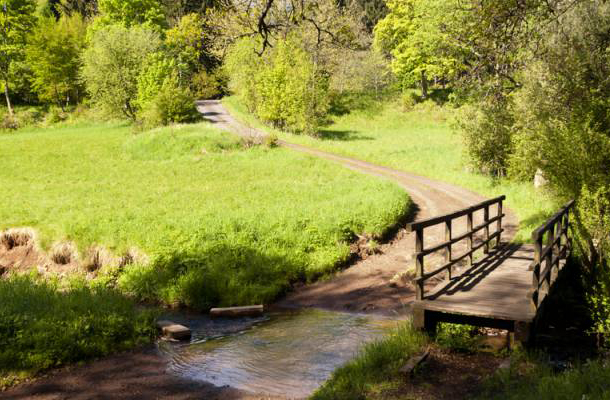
[{"x": 420, "y": 141}]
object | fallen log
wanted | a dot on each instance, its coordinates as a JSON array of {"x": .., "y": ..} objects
[
  {"x": 233, "y": 312},
  {"x": 409, "y": 368},
  {"x": 173, "y": 330}
]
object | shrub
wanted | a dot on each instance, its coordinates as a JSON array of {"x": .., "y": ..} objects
[
  {"x": 172, "y": 104},
  {"x": 156, "y": 70},
  {"x": 488, "y": 136},
  {"x": 284, "y": 87},
  {"x": 409, "y": 99},
  {"x": 208, "y": 85}
]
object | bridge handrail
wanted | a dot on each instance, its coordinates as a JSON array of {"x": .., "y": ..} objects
[
  {"x": 450, "y": 261},
  {"x": 558, "y": 246}
]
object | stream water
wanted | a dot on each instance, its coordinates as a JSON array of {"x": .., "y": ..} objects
[{"x": 283, "y": 353}]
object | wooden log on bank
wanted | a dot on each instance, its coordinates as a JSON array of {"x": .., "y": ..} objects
[
  {"x": 172, "y": 330},
  {"x": 234, "y": 312},
  {"x": 408, "y": 370}
]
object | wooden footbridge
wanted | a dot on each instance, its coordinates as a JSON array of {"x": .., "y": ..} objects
[{"x": 506, "y": 288}]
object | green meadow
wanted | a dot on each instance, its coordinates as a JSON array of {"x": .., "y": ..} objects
[
  {"x": 420, "y": 140},
  {"x": 221, "y": 224}
]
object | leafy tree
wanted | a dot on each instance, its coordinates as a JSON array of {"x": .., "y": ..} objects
[
  {"x": 283, "y": 88},
  {"x": 16, "y": 21},
  {"x": 53, "y": 54},
  {"x": 112, "y": 64},
  {"x": 128, "y": 13},
  {"x": 414, "y": 34},
  {"x": 184, "y": 43},
  {"x": 86, "y": 8},
  {"x": 155, "y": 71}
]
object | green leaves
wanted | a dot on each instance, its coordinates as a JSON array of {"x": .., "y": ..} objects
[
  {"x": 284, "y": 88},
  {"x": 54, "y": 56},
  {"x": 112, "y": 64}
]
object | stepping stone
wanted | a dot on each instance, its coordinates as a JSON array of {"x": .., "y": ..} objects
[
  {"x": 173, "y": 330},
  {"x": 233, "y": 312}
]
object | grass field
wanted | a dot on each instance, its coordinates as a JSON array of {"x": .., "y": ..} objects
[
  {"x": 419, "y": 141},
  {"x": 222, "y": 225},
  {"x": 45, "y": 324}
]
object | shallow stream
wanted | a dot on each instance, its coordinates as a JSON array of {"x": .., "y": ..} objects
[{"x": 283, "y": 353}]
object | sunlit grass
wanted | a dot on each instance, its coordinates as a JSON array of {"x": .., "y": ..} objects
[
  {"x": 222, "y": 225},
  {"x": 420, "y": 141}
]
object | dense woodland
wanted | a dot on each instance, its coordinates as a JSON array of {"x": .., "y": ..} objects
[{"x": 527, "y": 81}]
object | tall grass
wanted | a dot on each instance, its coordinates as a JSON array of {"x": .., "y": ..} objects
[
  {"x": 222, "y": 225},
  {"x": 535, "y": 380},
  {"x": 377, "y": 363},
  {"x": 421, "y": 141},
  {"x": 43, "y": 325}
]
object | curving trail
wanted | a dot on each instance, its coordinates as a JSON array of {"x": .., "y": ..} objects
[{"x": 367, "y": 285}]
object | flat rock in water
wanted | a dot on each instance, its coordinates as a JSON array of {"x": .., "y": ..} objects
[
  {"x": 173, "y": 330},
  {"x": 246, "y": 311}
]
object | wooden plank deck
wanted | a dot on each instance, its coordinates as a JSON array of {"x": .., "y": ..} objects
[
  {"x": 505, "y": 289},
  {"x": 495, "y": 288}
]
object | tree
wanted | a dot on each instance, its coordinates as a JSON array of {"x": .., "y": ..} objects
[
  {"x": 53, "y": 54},
  {"x": 128, "y": 13},
  {"x": 112, "y": 64},
  {"x": 184, "y": 43},
  {"x": 414, "y": 34},
  {"x": 283, "y": 87},
  {"x": 16, "y": 21}
]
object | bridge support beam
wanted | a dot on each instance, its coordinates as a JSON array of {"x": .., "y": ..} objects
[
  {"x": 425, "y": 321},
  {"x": 522, "y": 334}
]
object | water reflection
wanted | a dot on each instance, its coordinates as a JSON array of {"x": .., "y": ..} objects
[{"x": 288, "y": 354}]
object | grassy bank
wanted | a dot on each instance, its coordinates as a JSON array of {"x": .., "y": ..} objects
[
  {"x": 533, "y": 380},
  {"x": 221, "y": 224},
  {"x": 419, "y": 141},
  {"x": 43, "y": 325},
  {"x": 376, "y": 366}
]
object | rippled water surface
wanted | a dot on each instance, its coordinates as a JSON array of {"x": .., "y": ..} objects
[{"x": 288, "y": 354}]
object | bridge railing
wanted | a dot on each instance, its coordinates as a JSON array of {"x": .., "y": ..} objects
[
  {"x": 421, "y": 276},
  {"x": 548, "y": 256}
]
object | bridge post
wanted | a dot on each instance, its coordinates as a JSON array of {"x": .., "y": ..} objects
[
  {"x": 419, "y": 264},
  {"x": 522, "y": 333},
  {"x": 548, "y": 259},
  {"x": 448, "y": 249},
  {"x": 486, "y": 220},
  {"x": 469, "y": 242},
  {"x": 499, "y": 224}
]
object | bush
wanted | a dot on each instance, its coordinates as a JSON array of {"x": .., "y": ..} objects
[
  {"x": 456, "y": 337},
  {"x": 409, "y": 99},
  {"x": 488, "y": 136},
  {"x": 208, "y": 85},
  {"x": 283, "y": 88},
  {"x": 172, "y": 104},
  {"x": 156, "y": 70},
  {"x": 42, "y": 326}
]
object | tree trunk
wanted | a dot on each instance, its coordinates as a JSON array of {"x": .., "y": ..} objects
[
  {"x": 424, "y": 85},
  {"x": 8, "y": 99}
]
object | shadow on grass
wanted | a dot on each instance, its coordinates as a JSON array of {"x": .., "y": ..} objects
[{"x": 346, "y": 136}]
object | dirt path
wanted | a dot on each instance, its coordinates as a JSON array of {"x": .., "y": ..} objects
[{"x": 368, "y": 286}]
